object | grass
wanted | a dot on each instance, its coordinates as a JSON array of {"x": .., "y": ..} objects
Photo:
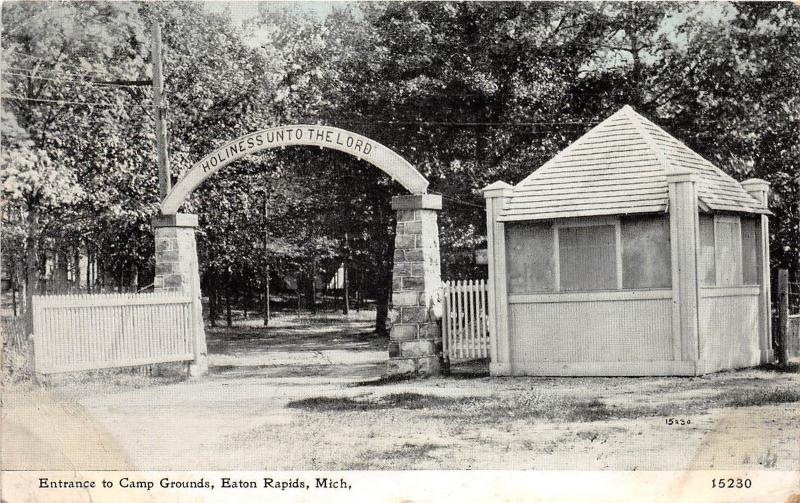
[
  {"x": 540, "y": 406},
  {"x": 15, "y": 365},
  {"x": 410, "y": 401},
  {"x": 755, "y": 398}
]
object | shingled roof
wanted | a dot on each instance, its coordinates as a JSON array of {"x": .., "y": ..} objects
[{"x": 620, "y": 167}]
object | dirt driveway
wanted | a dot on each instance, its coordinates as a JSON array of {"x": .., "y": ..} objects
[{"x": 310, "y": 396}]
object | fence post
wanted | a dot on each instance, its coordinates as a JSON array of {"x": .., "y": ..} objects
[{"x": 783, "y": 312}]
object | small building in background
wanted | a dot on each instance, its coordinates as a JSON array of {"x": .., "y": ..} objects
[{"x": 628, "y": 254}]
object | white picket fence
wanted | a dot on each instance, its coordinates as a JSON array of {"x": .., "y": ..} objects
[
  {"x": 465, "y": 333},
  {"x": 84, "y": 332}
]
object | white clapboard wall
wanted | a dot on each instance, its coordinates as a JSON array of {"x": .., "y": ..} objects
[
  {"x": 465, "y": 332},
  {"x": 84, "y": 332}
]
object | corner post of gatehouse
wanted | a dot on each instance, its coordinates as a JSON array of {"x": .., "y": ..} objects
[
  {"x": 684, "y": 242},
  {"x": 415, "y": 346},
  {"x": 177, "y": 270},
  {"x": 759, "y": 189},
  {"x": 496, "y": 196}
]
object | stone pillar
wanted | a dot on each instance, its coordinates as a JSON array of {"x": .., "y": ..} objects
[
  {"x": 415, "y": 346},
  {"x": 684, "y": 222},
  {"x": 177, "y": 270},
  {"x": 496, "y": 195},
  {"x": 759, "y": 189}
]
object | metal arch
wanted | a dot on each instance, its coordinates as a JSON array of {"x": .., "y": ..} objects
[{"x": 348, "y": 142}]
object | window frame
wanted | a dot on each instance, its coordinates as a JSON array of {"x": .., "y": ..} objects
[{"x": 613, "y": 221}]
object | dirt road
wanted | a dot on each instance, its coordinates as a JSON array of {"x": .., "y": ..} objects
[{"x": 311, "y": 397}]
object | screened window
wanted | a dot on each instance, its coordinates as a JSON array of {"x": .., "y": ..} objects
[
  {"x": 729, "y": 250},
  {"x": 727, "y": 237},
  {"x": 587, "y": 258},
  {"x": 708, "y": 270},
  {"x": 646, "y": 253},
  {"x": 529, "y": 258},
  {"x": 751, "y": 239}
]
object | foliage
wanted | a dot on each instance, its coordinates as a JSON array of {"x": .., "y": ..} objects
[{"x": 468, "y": 92}]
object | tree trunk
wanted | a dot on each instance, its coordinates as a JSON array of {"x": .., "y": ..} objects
[
  {"x": 88, "y": 272},
  {"x": 212, "y": 298},
  {"x": 31, "y": 266},
  {"x": 102, "y": 274},
  {"x": 299, "y": 277},
  {"x": 14, "y": 296},
  {"x": 134, "y": 283},
  {"x": 382, "y": 311},
  {"x": 228, "y": 317},
  {"x": 266, "y": 297},
  {"x": 61, "y": 269},
  {"x": 77, "y": 261},
  {"x": 384, "y": 290},
  {"x": 314, "y": 286},
  {"x": 346, "y": 288}
]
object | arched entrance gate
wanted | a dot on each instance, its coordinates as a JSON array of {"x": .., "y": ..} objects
[{"x": 415, "y": 339}]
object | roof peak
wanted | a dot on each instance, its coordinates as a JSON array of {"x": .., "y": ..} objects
[{"x": 621, "y": 166}]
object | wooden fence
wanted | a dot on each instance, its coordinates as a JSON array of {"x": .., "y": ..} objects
[
  {"x": 789, "y": 323},
  {"x": 84, "y": 332},
  {"x": 465, "y": 333}
]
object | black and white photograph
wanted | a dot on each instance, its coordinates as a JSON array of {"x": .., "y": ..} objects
[{"x": 401, "y": 251}]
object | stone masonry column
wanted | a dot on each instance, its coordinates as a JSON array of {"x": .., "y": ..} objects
[
  {"x": 415, "y": 346},
  {"x": 177, "y": 270}
]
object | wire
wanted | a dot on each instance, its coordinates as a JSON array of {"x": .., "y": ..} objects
[
  {"x": 458, "y": 201},
  {"x": 31, "y": 72},
  {"x": 68, "y": 102},
  {"x": 444, "y": 123},
  {"x": 23, "y": 23},
  {"x": 91, "y": 83},
  {"x": 47, "y": 60}
]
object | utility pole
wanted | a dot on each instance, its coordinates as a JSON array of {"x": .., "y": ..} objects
[{"x": 164, "y": 176}]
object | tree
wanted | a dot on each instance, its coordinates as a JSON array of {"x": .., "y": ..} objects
[{"x": 31, "y": 184}]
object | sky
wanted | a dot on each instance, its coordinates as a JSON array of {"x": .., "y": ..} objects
[{"x": 243, "y": 10}]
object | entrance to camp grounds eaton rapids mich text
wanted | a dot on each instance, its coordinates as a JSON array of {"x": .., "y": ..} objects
[{"x": 415, "y": 336}]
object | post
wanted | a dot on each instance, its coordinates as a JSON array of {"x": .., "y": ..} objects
[
  {"x": 415, "y": 345},
  {"x": 783, "y": 311},
  {"x": 684, "y": 237},
  {"x": 177, "y": 270},
  {"x": 759, "y": 189},
  {"x": 496, "y": 195},
  {"x": 164, "y": 177}
]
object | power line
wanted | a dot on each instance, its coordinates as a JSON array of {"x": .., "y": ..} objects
[
  {"x": 69, "y": 102},
  {"x": 458, "y": 201},
  {"x": 34, "y": 16},
  {"x": 78, "y": 73},
  {"x": 477, "y": 124},
  {"x": 131, "y": 83},
  {"x": 47, "y": 60}
]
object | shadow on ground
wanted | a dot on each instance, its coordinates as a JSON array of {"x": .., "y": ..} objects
[{"x": 298, "y": 348}]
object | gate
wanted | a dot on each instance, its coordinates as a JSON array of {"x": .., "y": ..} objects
[
  {"x": 465, "y": 333},
  {"x": 85, "y": 332}
]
